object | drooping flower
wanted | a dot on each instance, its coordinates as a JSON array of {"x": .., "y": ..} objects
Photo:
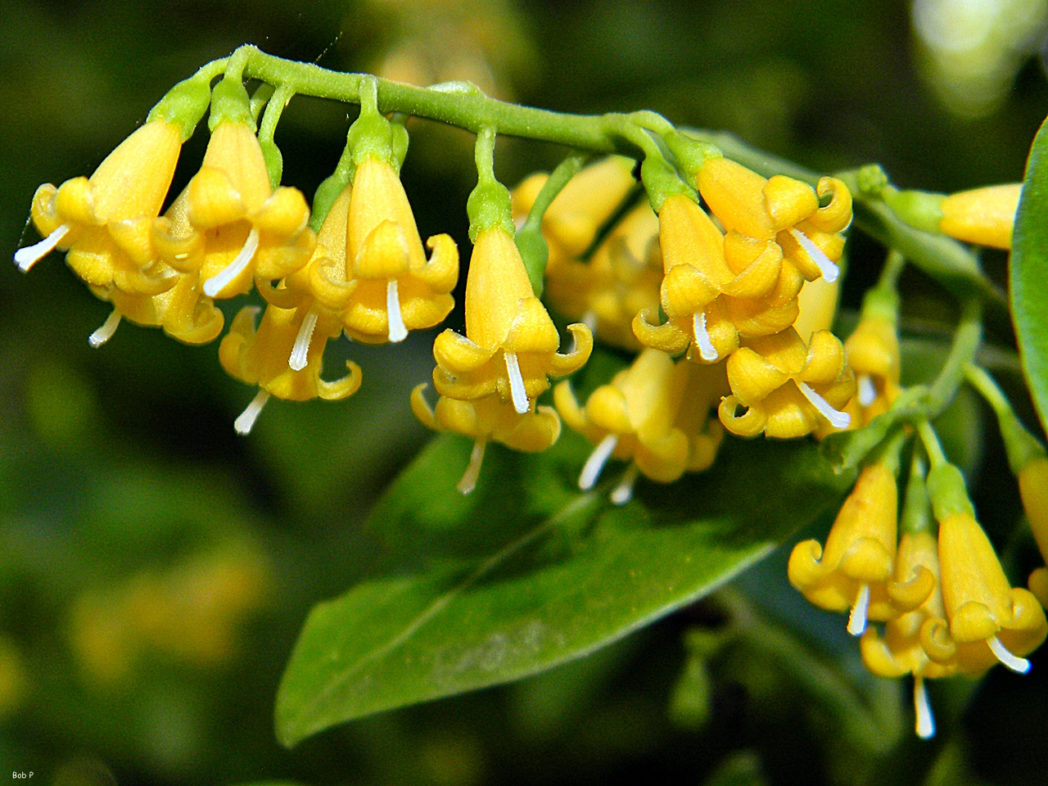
[
  {"x": 785, "y": 386},
  {"x": 900, "y": 651},
  {"x": 104, "y": 221},
  {"x": 371, "y": 269},
  {"x": 621, "y": 279},
  {"x": 873, "y": 354},
  {"x": 510, "y": 346},
  {"x": 653, "y": 414},
  {"x": 260, "y": 357},
  {"x": 182, "y": 310},
  {"x": 989, "y": 621},
  {"x": 782, "y": 209},
  {"x": 487, "y": 419},
  {"x": 717, "y": 288},
  {"x": 852, "y": 571},
  {"x": 984, "y": 216}
]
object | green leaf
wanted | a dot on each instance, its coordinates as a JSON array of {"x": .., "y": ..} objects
[
  {"x": 1028, "y": 270},
  {"x": 527, "y": 572}
]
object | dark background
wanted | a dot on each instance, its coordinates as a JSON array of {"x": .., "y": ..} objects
[{"x": 155, "y": 568}]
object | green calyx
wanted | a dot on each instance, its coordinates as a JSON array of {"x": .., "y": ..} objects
[
  {"x": 661, "y": 181},
  {"x": 184, "y": 104},
  {"x": 488, "y": 207},
  {"x": 919, "y": 209},
  {"x": 948, "y": 492},
  {"x": 230, "y": 103},
  {"x": 690, "y": 153},
  {"x": 916, "y": 508}
]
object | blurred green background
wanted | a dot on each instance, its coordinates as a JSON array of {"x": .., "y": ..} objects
[{"x": 155, "y": 568}]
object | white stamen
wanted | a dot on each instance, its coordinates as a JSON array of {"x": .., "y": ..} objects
[
  {"x": 397, "y": 331},
  {"x": 468, "y": 482},
  {"x": 1013, "y": 662},
  {"x": 589, "y": 319},
  {"x": 246, "y": 420},
  {"x": 923, "y": 709},
  {"x": 867, "y": 390},
  {"x": 857, "y": 618},
  {"x": 106, "y": 331},
  {"x": 623, "y": 492},
  {"x": 26, "y": 257},
  {"x": 702, "y": 337},
  {"x": 516, "y": 383},
  {"x": 217, "y": 283},
  {"x": 300, "y": 352},
  {"x": 837, "y": 418},
  {"x": 826, "y": 266},
  {"x": 595, "y": 463}
]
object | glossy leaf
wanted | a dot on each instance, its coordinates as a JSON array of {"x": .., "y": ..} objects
[
  {"x": 1029, "y": 273},
  {"x": 527, "y": 572}
]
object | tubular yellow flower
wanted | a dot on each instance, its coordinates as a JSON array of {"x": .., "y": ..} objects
[
  {"x": 246, "y": 227},
  {"x": 584, "y": 205},
  {"x": 989, "y": 620},
  {"x": 487, "y": 419},
  {"x": 780, "y": 209},
  {"x": 182, "y": 310},
  {"x": 853, "y": 569},
  {"x": 873, "y": 354},
  {"x": 260, "y": 357},
  {"x": 510, "y": 346},
  {"x": 375, "y": 274},
  {"x": 899, "y": 651},
  {"x": 786, "y": 387},
  {"x": 104, "y": 221},
  {"x": 984, "y": 216},
  {"x": 637, "y": 417},
  {"x": 620, "y": 280},
  {"x": 717, "y": 289}
]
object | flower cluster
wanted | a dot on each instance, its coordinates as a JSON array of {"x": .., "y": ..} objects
[
  {"x": 730, "y": 290},
  {"x": 489, "y": 378},
  {"x": 364, "y": 273},
  {"x": 944, "y": 599}
]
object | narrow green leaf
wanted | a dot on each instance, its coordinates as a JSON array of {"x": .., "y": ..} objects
[
  {"x": 1028, "y": 270},
  {"x": 527, "y": 572}
]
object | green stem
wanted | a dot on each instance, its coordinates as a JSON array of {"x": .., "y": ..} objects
[
  {"x": 932, "y": 446},
  {"x": 455, "y": 103},
  {"x": 965, "y": 346},
  {"x": 529, "y": 238},
  {"x": 1021, "y": 446}
]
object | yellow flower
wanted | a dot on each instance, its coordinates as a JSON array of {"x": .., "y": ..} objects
[
  {"x": 786, "y": 386},
  {"x": 485, "y": 419},
  {"x": 873, "y": 354},
  {"x": 717, "y": 289},
  {"x": 510, "y": 346},
  {"x": 182, "y": 310},
  {"x": 853, "y": 569},
  {"x": 246, "y": 227},
  {"x": 780, "y": 209},
  {"x": 638, "y": 417},
  {"x": 900, "y": 651},
  {"x": 371, "y": 268},
  {"x": 984, "y": 216},
  {"x": 260, "y": 357},
  {"x": 988, "y": 619},
  {"x": 575, "y": 216},
  {"x": 104, "y": 221},
  {"x": 621, "y": 279}
]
